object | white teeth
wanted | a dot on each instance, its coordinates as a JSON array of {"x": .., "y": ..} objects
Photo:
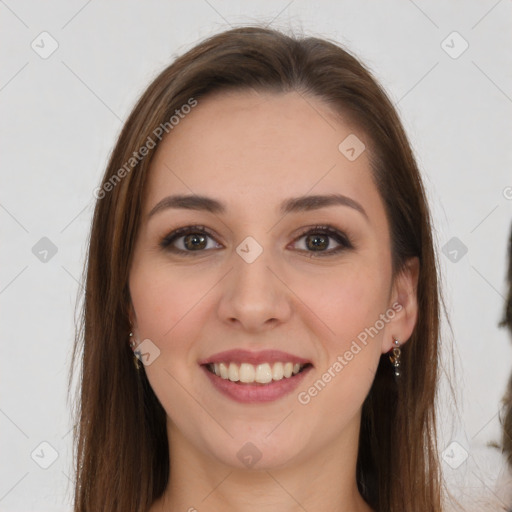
[
  {"x": 277, "y": 371},
  {"x": 233, "y": 372},
  {"x": 224, "y": 373},
  {"x": 247, "y": 372},
  {"x": 262, "y": 373}
]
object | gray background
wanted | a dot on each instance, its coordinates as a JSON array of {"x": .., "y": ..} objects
[{"x": 62, "y": 113}]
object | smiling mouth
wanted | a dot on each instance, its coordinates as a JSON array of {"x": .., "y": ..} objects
[{"x": 261, "y": 374}]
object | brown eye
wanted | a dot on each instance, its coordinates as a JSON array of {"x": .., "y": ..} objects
[
  {"x": 188, "y": 240},
  {"x": 319, "y": 240},
  {"x": 194, "y": 241}
]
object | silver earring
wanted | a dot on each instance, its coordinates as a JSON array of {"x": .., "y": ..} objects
[
  {"x": 395, "y": 358},
  {"x": 132, "y": 346}
]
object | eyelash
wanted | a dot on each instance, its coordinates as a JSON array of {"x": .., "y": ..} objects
[{"x": 338, "y": 236}]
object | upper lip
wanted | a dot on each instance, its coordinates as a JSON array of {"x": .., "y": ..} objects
[{"x": 246, "y": 356}]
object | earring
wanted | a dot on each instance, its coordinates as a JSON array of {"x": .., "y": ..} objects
[
  {"x": 135, "y": 358},
  {"x": 395, "y": 358}
]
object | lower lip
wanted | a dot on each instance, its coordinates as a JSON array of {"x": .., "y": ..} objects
[{"x": 253, "y": 393}]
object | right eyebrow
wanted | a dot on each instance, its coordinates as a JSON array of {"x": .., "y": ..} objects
[{"x": 188, "y": 202}]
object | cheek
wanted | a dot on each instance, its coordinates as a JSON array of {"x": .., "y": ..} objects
[
  {"x": 168, "y": 310},
  {"x": 349, "y": 306},
  {"x": 171, "y": 305},
  {"x": 349, "y": 303},
  {"x": 165, "y": 298},
  {"x": 347, "y": 300}
]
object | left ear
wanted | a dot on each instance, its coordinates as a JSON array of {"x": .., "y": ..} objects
[{"x": 404, "y": 301}]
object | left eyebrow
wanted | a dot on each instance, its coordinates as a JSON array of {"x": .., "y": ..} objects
[
  {"x": 306, "y": 203},
  {"x": 292, "y": 205}
]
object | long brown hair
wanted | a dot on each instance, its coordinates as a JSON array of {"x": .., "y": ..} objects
[{"x": 121, "y": 447}]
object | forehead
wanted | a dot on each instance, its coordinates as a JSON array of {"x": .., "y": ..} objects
[{"x": 254, "y": 147}]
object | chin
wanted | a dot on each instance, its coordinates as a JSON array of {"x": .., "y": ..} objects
[{"x": 256, "y": 453}]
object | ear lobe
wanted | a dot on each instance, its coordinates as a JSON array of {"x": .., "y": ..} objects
[{"x": 404, "y": 293}]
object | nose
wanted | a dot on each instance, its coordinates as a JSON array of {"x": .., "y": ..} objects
[{"x": 255, "y": 296}]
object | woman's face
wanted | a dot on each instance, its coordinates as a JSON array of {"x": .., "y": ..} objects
[{"x": 261, "y": 276}]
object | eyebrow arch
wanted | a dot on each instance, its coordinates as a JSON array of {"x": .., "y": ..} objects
[{"x": 292, "y": 205}]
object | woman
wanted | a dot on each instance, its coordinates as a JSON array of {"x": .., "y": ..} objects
[{"x": 263, "y": 243}]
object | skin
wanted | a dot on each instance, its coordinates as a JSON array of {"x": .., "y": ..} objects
[{"x": 251, "y": 151}]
